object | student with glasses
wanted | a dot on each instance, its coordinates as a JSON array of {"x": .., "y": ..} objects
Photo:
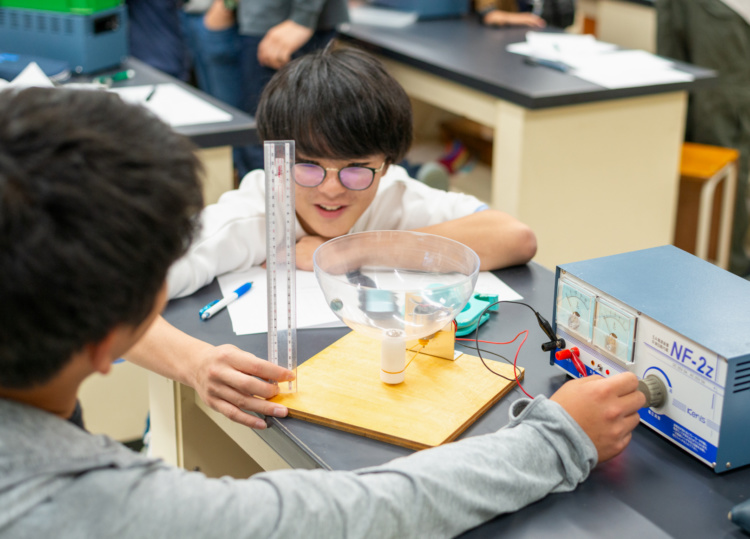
[{"x": 351, "y": 121}]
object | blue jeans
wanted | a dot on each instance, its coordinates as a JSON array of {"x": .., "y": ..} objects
[
  {"x": 216, "y": 58},
  {"x": 254, "y": 80},
  {"x": 154, "y": 36}
]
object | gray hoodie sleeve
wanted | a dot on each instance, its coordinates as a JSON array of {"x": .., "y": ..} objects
[
  {"x": 306, "y": 12},
  {"x": 443, "y": 491},
  {"x": 438, "y": 492},
  {"x": 256, "y": 17}
]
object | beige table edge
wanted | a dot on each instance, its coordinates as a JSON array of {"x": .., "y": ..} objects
[{"x": 591, "y": 180}]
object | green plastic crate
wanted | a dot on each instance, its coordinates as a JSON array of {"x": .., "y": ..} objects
[{"x": 78, "y": 7}]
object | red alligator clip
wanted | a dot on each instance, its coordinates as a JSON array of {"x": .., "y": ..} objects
[{"x": 572, "y": 354}]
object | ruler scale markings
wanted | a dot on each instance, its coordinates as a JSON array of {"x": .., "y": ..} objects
[{"x": 280, "y": 259}]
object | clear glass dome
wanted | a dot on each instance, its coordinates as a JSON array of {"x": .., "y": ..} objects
[{"x": 396, "y": 284}]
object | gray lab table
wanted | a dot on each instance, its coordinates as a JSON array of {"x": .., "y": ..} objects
[
  {"x": 652, "y": 490},
  {"x": 214, "y": 140},
  {"x": 592, "y": 170}
]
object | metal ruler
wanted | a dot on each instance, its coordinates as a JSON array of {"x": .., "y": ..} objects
[{"x": 281, "y": 267}]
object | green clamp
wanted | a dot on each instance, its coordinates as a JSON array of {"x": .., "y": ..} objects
[{"x": 471, "y": 316}]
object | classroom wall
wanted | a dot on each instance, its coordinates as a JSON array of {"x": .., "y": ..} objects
[{"x": 628, "y": 24}]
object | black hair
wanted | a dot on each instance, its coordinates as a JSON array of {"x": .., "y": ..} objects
[
  {"x": 97, "y": 199},
  {"x": 337, "y": 103}
]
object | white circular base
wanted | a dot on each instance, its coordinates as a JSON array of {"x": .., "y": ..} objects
[
  {"x": 393, "y": 359},
  {"x": 389, "y": 378}
]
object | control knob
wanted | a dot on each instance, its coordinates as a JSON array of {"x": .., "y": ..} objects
[{"x": 654, "y": 389}]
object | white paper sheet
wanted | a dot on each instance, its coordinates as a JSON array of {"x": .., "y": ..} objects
[
  {"x": 374, "y": 16},
  {"x": 487, "y": 283},
  {"x": 173, "y": 104},
  {"x": 551, "y": 46},
  {"x": 627, "y": 69},
  {"x": 630, "y": 79},
  {"x": 249, "y": 314},
  {"x": 32, "y": 75},
  {"x": 599, "y": 62}
]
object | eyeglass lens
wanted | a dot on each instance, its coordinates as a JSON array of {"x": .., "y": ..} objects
[{"x": 311, "y": 175}]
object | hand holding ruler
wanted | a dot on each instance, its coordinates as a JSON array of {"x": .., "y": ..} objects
[{"x": 281, "y": 266}]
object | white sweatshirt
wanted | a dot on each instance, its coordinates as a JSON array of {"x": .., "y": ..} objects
[{"x": 233, "y": 237}]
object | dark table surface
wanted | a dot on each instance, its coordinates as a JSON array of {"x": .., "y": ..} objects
[
  {"x": 469, "y": 53},
  {"x": 649, "y": 3},
  {"x": 651, "y": 490},
  {"x": 238, "y": 131}
]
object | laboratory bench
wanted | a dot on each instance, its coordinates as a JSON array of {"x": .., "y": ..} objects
[
  {"x": 593, "y": 171},
  {"x": 214, "y": 140},
  {"x": 653, "y": 489}
]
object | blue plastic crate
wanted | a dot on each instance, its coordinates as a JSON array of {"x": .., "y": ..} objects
[{"x": 88, "y": 43}]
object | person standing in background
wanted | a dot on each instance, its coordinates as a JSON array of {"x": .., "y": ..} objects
[
  {"x": 238, "y": 45},
  {"x": 507, "y": 13},
  {"x": 716, "y": 34},
  {"x": 155, "y": 38},
  {"x": 533, "y": 13},
  {"x": 272, "y": 32},
  {"x": 210, "y": 32}
]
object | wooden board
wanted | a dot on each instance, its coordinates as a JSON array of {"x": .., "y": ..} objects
[{"x": 340, "y": 388}]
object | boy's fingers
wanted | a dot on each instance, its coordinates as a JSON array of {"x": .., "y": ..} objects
[
  {"x": 269, "y": 371},
  {"x": 633, "y": 402},
  {"x": 623, "y": 384},
  {"x": 247, "y": 363}
]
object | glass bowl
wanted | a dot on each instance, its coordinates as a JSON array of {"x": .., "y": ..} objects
[{"x": 395, "y": 286}]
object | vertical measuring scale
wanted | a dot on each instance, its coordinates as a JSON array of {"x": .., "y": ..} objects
[{"x": 281, "y": 267}]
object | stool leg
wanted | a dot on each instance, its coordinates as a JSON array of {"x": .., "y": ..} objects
[
  {"x": 704, "y": 214},
  {"x": 727, "y": 216}
]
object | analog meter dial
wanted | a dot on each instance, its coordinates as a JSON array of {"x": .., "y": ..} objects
[
  {"x": 614, "y": 330},
  {"x": 575, "y": 309}
]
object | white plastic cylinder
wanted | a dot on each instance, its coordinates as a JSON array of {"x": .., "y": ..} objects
[{"x": 393, "y": 357}]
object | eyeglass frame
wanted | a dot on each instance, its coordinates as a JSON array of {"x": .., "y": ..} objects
[{"x": 338, "y": 174}]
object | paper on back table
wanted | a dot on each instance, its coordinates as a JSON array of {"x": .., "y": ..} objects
[
  {"x": 173, "y": 104},
  {"x": 599, "y": 62},
  {"x": 249, "y": 314},
  {"x": 627, "y": 69}
]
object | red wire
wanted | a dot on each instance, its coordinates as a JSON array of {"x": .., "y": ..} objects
[
  {"x": 493, "y": 342},
  {"x": 515, "y": 360},
  {"x": 525, "y": 333}
]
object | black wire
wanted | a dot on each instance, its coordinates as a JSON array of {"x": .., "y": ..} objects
[
  {"x": 508, "y": 361},
  {"x": 473, "y": 347},
  {"x": 476, "y": 333}
]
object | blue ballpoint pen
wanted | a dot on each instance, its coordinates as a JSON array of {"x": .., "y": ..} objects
[{"x": 215, "y": 306}]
